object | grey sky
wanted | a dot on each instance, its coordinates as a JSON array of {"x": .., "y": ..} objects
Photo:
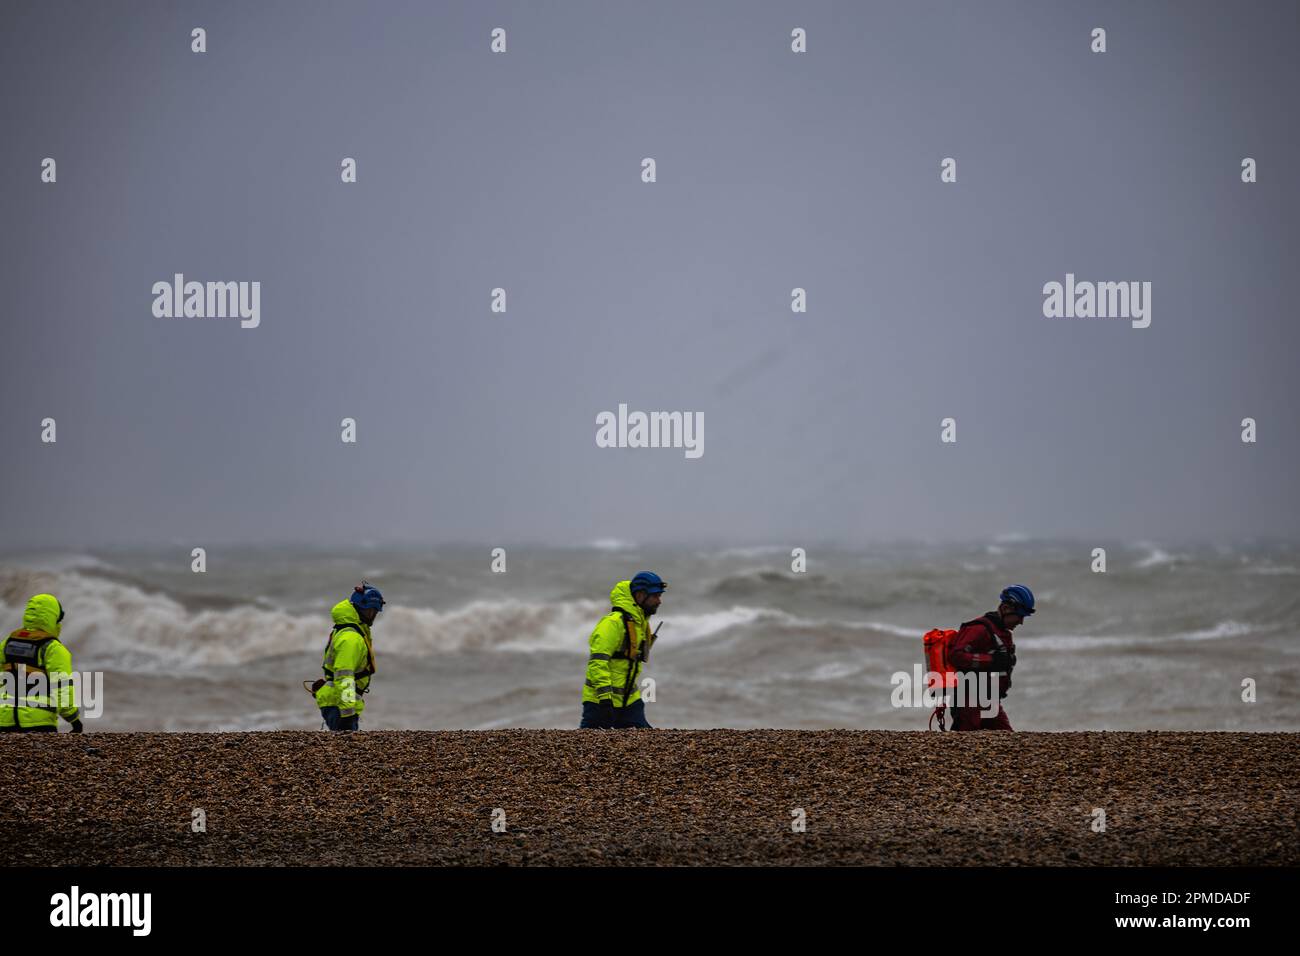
[{"x": 522, "y": 170}]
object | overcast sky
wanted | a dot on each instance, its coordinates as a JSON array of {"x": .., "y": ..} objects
[{"x": 522, "y": 170}]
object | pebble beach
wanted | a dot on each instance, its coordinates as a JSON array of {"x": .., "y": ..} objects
[{"x": 662, "y": 797}]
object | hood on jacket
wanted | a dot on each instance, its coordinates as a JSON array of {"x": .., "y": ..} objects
[
  {"x": 42, "y": 614},
  {"x": 621, "y": 597},
  {"x": 346, "y": 613}
]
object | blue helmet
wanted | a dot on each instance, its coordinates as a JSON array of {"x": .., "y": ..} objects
[
  {"x": 364, "y": 595},
  {"x": 1021, "y": 597},
  {"x": 649, "y": 582}
]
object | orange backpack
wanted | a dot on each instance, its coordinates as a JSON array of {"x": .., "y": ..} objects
[{"x": 939, "y": 670}]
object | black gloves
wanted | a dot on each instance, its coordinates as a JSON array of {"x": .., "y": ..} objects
[
  {"x": 1003, "y": 661},
  {"x": 76, "y": 726},
  {"x": 607, "y": 713}
]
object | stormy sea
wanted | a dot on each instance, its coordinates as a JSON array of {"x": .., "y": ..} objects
[{"x": 1167, "y": 637}]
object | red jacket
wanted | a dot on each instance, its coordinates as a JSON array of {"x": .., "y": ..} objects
[{"x": 973, "y": 646}]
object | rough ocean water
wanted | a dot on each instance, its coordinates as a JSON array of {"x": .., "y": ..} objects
[{"x": 1163, "y": 640}]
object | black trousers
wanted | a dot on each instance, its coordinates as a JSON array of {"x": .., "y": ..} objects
[{"x": 334, "y": 721}]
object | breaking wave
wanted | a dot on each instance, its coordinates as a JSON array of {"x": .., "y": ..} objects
[{"x": 114, "y": 624}]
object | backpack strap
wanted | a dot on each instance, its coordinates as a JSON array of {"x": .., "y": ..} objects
[
  {"x": 988, "y": 626},
  {"x": 625, "y": 648},
  {"x": 625, "y": 652}
]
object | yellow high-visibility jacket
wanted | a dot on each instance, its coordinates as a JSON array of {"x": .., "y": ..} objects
[
  {"x": 349, "y": 662},
  {"x": 621, "y": 638},
  {"x": 35, "y": 647}
]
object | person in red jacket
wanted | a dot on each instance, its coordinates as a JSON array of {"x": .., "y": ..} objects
[{"x": 984, "y": 645}]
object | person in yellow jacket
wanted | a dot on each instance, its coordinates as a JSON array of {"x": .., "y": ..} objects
[
  {"x": 36, "y": 683},
  {"x": 620, "y": 646},
  {"x": 349, "y": 659}
]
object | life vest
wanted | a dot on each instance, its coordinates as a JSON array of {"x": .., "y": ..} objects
[
  {"x": 27, "y": 649},
  {"x": 631, "y": 647},
  {"x": 940, "y": 673}
]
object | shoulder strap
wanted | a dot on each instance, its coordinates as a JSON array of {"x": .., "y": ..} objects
[
  {"x": 370, "y": 657},
  {"x": 334, "y": 630},
  {"x": 625, "y": 650},
  {"x": 988, "y": 626}
]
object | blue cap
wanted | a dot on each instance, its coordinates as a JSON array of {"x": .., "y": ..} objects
[
  {"x": 365, "y": 595},
  {"x": 1021, "y": 597},
  {"x": 649, "y": 582}
]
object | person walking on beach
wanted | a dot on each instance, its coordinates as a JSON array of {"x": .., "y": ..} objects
[
  {"x": 36, "y": 684},
  {"x": 349, "y": 659},
  {"x": 620, "y": 647},
  {"x": 984, "y": 645}
]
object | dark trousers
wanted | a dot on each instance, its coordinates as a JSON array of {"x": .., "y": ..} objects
[
  {"x": 972, "y": 718},
  {"x": 334, "y": 722},
  {"x": 633, "y": 715},
  {"x": 43, "y": 729}
]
